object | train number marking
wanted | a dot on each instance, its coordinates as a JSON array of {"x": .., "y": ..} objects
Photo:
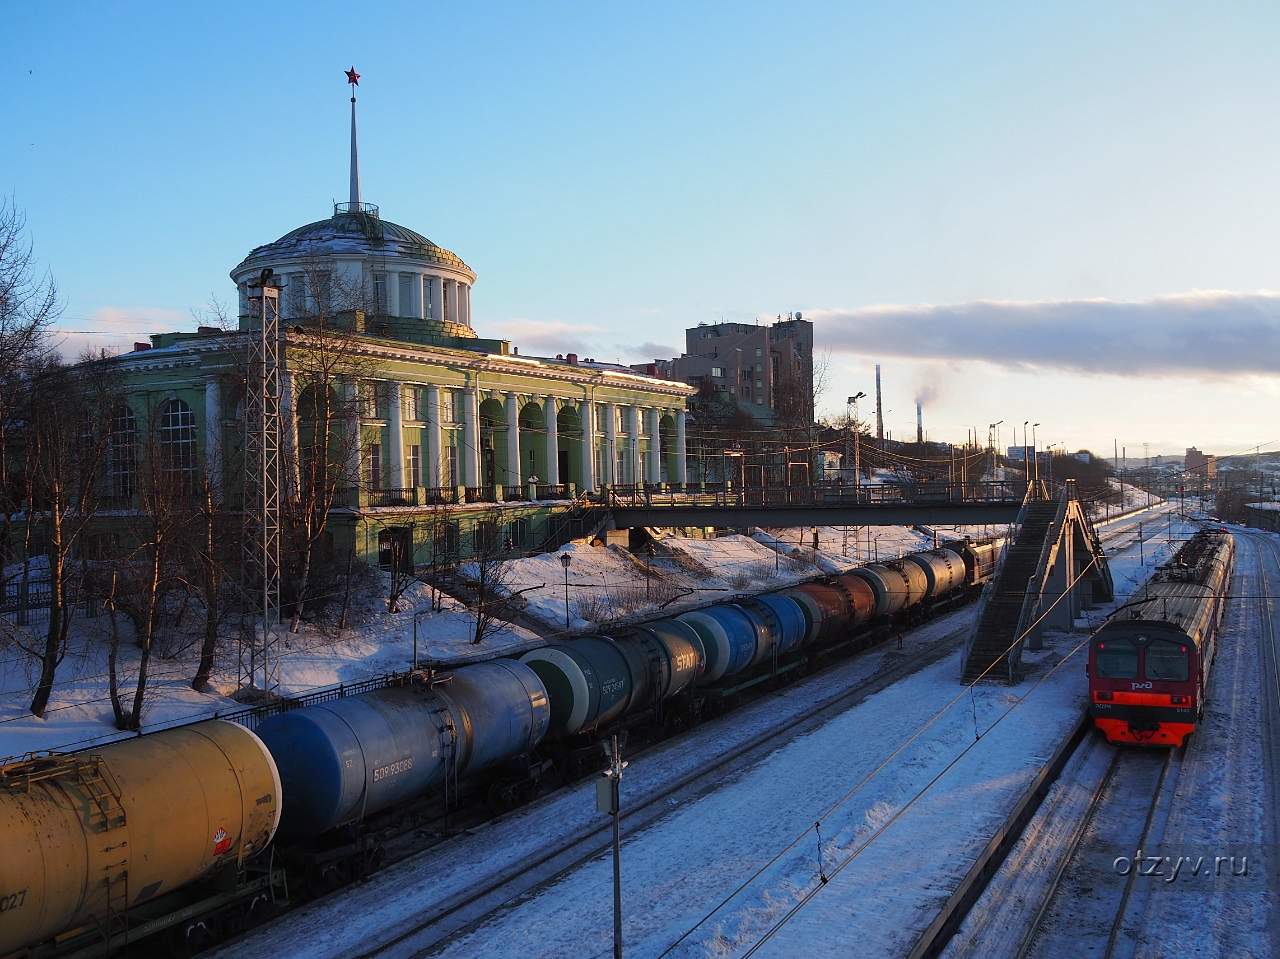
[
  {"x": 392, "y": 769},
  {"x": 13, "y": 901},
  {"x": 1140, "y": 686}
]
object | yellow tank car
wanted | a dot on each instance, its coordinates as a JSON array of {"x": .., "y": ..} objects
[{"x": 89, "y": 836}]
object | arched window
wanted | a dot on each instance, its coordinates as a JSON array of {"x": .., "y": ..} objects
[
  {"x": 122, "y": 455},
  {"x": 177, "y": 435}
]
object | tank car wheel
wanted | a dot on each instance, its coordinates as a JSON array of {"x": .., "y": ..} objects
[
  {"x": 503, "y": 796},
  {"x": 192, "y": 937}
]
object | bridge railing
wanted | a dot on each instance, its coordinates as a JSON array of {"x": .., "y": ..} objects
[{"x": 823, "y": 494}]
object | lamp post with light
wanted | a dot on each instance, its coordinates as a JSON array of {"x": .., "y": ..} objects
[
  {"x": 1034, "y": 451},
  {"x": 857, "y": 442},
  {"x": 565, "y": 560}
]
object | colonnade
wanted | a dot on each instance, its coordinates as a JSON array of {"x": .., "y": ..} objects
[{"x": 559, "y": 442}]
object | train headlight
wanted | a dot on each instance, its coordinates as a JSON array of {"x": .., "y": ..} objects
[{"x": 1102, "y": 695}]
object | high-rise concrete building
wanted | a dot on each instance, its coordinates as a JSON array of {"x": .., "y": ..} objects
[
  {"x": 766, "y": 370},
  {"x": 1201, "y": 468}
]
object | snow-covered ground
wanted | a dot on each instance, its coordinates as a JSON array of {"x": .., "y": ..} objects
[
  {"x": 1223, "y": 803},
  {"x": 376, "y": 643},
  {"x": 712, "y": 857}
]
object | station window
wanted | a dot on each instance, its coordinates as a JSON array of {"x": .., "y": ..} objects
[
  {"x": 415, "y": 465},
  {"x": 1166, "y": 660},
  {"x": 410, "y": 405},
  {"x": 1117, "y": 659},
  {"x": 717, "y": 371}
]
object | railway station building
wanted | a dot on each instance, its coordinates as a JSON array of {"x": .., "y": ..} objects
[{"x": 429, "y": 418}]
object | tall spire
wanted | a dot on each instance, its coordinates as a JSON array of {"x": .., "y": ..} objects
[{"x": 353, "y": 78}]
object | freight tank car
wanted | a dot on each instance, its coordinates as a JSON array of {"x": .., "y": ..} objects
[
  {"x": 344, "y": 760},
  {"x": 93, "y": 835},
  {"x": 1149, "y": 665}
]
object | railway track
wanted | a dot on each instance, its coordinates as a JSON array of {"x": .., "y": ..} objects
[
  {"x": 459, "y": 913},
  {"x": 1269, "y": 663},
  {"x": 1085, "y": 905}
]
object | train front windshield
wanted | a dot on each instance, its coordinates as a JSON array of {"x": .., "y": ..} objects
[
  {"x": 1117, "y": 659},
  {"x": 1166, "y": 660}
]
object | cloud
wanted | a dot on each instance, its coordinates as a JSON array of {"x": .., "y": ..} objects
[
  {"x": 1204, "y": 333},
  {"x": 115, "y": 329},
  {"x": 546, "y": 336}
]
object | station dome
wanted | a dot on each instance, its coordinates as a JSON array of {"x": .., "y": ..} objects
[
  {"x": 352, "y": 233},
  {"x": 407, "y": 287}
]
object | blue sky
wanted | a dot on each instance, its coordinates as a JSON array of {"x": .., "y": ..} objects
[{"x": 616, "y": 173}]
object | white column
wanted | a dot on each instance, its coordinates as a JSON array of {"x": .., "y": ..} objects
[
  {"x": 588, "y": 417},
  {"x": 654, "y": 472},
  {"x": 351, "y": 397},
  {"x": 433, "y": 436},
  {"x": 213, "y": 435},
  {"x": 289, "y": 426},
  {"x": 466, "y": 303},
  {"x": 470, "y": 437},
  {"x": 437, "y": 299},
  {"x": 550, "y": 410},
  {"x": 682, "y": 466},
  {"x": 512, "y": 479},
  {"x": 451, "y": 300},
  {"x": 611, "y": 444},
  {"x": 395, "y": 437},
  {"x": 421, "y": 296},
  {"x": 633, "y": 456},
  {"x": 393, "y": 293}
]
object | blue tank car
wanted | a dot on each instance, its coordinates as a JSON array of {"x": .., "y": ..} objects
[{"x": 344, "y": 760}]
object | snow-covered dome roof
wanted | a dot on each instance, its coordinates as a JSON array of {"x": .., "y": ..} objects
[{"x": 358, "y": 232}]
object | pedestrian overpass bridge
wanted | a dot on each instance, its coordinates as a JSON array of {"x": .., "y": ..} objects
[
  {"x": 1053, "y": 563},
  {"x": 910, "y": 504}
]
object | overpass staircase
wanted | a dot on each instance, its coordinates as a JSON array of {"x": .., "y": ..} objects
[{"x": 1052, "y": 566}]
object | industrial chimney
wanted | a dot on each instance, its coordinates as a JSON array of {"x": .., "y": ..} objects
[
  {"x": 879, "y": 415},
  {"x": 919, "y": 422}
]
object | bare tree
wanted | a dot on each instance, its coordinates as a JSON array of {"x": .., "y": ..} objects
[
  {"x": 206, "y": 560},
  {"x": 403, "y": 573},
  {"x": 326, "y": 362},
  {"x": 68, "y": 419},
  {"x": 442, "y": 533},
  {"x": 28, "y": 307},
  {"x": 28, "y": 302},
  {"x": 489, "y": 574},
  {"x": 167, "y": 483}
]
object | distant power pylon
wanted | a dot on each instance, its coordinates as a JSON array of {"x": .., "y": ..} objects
[{"x": 259, "y": 665}]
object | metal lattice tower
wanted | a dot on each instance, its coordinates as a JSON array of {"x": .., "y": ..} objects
[{"x": 259, "y": 665}]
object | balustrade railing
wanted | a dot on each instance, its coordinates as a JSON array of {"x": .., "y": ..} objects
[{"x": 393, "y": 496}]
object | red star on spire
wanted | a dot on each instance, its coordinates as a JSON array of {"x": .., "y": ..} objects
[{"x": 353, "y": 78}]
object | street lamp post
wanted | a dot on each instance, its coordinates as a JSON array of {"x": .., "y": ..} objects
[
  {"x": 1035, "y": 452},
  {"x": 857, "y": 444},
  {"x": 609, "y": 800},
  {"x": 565, "y": 560},
  {"x": 1026, "y": 450},
  {"x": 991, "y": 432}
]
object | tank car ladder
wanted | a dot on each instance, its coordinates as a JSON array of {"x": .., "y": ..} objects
[{"x": 88, "y": 778}]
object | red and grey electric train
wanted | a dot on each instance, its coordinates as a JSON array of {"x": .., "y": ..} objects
[{"x": 1149, "y": 666}]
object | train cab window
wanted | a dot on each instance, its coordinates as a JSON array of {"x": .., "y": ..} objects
[
  {"x": 1166, "y": 660},
  {"x": 1117, "y": 659}
]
